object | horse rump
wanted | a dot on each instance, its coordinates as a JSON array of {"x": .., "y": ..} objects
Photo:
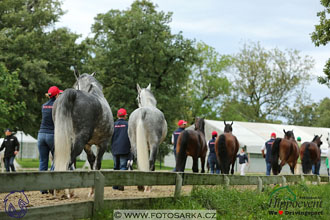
[
  {"x": 275, "y": 155},
  {"x": 306, "y": 160}
]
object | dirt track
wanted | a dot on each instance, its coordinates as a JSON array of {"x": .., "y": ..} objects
[{"x": 38, "y": 199}]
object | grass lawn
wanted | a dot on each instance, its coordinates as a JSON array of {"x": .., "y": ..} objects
[{"x": 106, "y": 164}]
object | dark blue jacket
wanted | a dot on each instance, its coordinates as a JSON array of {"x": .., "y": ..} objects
[
  {"x": 242, "y": 158},
  {"x": 47, "y": 124},
  {"x": 176, "y": 134},
  {"x": 11, "y": 144},
  {"x": 268, "y": 145},
  {"x": 212, "y": 148},
  {"x": 120, "y": 142}
]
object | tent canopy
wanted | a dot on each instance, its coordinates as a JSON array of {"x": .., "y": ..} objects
[{"x": 254, "y": 135}]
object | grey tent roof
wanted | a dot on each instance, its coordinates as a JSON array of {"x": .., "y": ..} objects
[{"x": 254, "y": 135}]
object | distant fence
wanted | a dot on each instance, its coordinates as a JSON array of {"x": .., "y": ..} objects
[{"x": 35, "y": 181}]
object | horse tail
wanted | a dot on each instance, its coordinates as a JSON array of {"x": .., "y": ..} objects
[
  {"x": 306, "y": 161},
  {"x": 142, "y": 145},
  {"x": 63, "y": 134},
  {"x": 223, "y": 154},
  {"x": 180, "y": 157},
  {"x": 275, "y": 155}
]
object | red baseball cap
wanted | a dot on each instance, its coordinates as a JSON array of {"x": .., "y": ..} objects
[
  {"x": 273, "y": 134},
  {"x": 214, "y": 133},
  {"x": 122, "y": 112},
  {"x": 182, "y": 122},
  {"x": 53, "y": 91}
]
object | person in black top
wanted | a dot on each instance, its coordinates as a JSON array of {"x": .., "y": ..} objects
[
  {"x": 268, "y": 147},
  {"x": 212, "y": 159},
  {"x": 120, "y": 145},
  {"x": 11, "y": 144},
  {"x": 243, "y": 160}
]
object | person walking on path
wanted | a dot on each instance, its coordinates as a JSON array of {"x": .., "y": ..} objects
[
  {"x": 11, "y": 144},
  {"x": 243, "y": 160}
]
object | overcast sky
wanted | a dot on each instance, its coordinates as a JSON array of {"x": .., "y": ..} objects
[{"x": 226, "y": 25}]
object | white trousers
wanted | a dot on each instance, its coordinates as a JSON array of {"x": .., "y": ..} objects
[{"x": 243, "y": 169}]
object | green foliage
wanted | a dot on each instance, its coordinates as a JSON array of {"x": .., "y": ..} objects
[
  {"x": 10, "y": 109},
  {"x": 321, "y": 36},
  {"x": 310, "y": 114},
  {"x": 207, "y": 84},
  {"x": 136, "y": 46},
  {"x": 266, "y": 80},
  {"x": 235, "y": 203},
  {"x": 41, "y": 55}
]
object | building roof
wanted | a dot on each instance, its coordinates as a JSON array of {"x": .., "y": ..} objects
[{"x": 254, "y": 135}]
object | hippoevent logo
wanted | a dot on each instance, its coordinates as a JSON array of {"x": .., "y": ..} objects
[
  {"x": 16, "y": 204},
  {"x": 283, "y": 201}
]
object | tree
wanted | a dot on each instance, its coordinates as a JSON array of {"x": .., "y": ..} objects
[
  {"x": 321, "y": 36},
  {"x": 208, "y": 83},
  {"x": 136, "y": 46},
  {"x": 267, "y": 80},
  {"x": 40, "y": 54},
  {"x": 323, "y": 114},
  {"x": 303, "y": 112},
  {"x": 10, "y": 109}
]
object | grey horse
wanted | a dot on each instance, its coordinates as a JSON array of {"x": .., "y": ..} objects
[
  {"x": 147, "y": 128},
  {"x": 82, "y": 117}
]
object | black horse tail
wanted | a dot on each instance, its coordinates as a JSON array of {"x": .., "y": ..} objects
[
  {"x": 275, "y": 156},
  {"x": 62, "y": 115},
  {"x": 182, "y": 156},
  {"x": 223, "y": 155},
  {"x": 306, "y": 161}
]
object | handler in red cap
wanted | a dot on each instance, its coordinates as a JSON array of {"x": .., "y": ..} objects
[
  {"x": 268, "y": 148},
  {"x": 46, "y": 132},
  {"x": 182, "y": 125},
  {"x": 120, "y": 145}
]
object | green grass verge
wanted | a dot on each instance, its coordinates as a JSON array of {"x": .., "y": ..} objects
[
  {"x": 233, "y": 203},
  {"x": 106, "y": 164}
]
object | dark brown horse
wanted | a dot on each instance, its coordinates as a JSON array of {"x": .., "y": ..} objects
[
  {"x": 192, "y": 143},
  {"x": 310, "y": 153},
  {"x": 226, "y": 148},
  {"x": 285, "y": 149}
]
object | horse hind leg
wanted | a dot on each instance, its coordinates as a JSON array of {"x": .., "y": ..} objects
[
  {"x": 100, "y": 152},
  {"x": 195, "y": 165},
  {"x": 152, "y": 158},
  {"x": 79, "y": 144},
  {"x": 203, "y": 164},
  {"x": 90, "y": 155}
]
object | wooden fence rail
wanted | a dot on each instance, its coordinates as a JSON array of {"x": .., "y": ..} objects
[{"x": 35, "y": 181}]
